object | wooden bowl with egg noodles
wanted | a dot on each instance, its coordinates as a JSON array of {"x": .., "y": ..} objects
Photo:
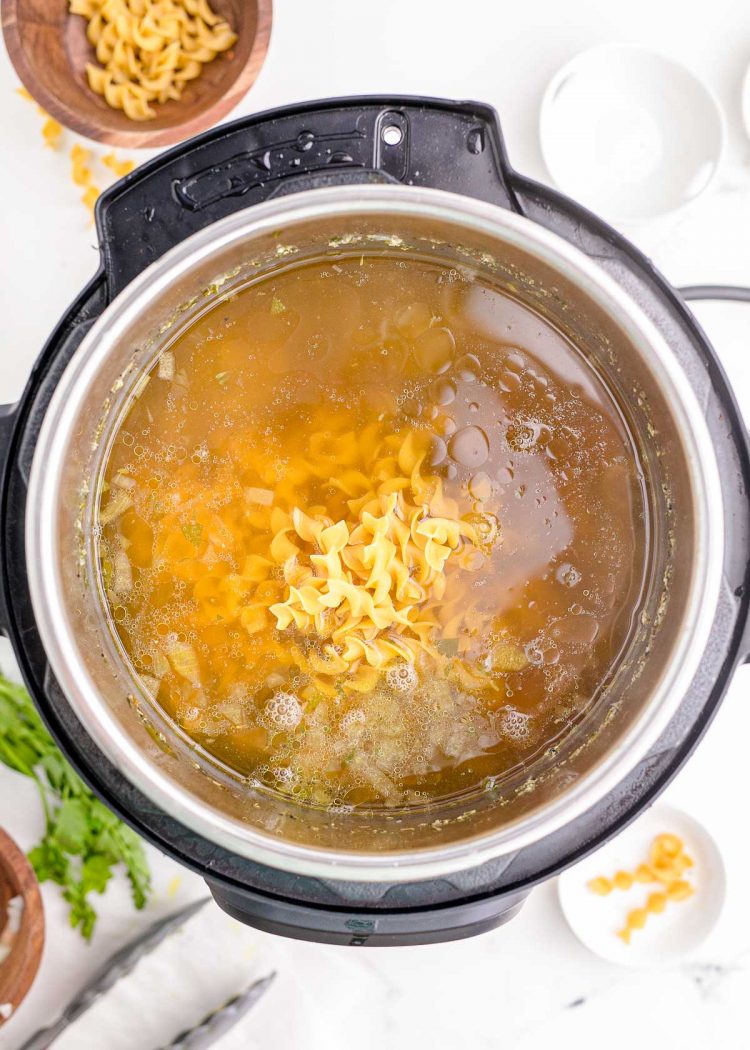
[{"x": 54, "y": 53}]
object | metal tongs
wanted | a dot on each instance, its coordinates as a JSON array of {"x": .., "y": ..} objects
[{"x": 119, "y": 965}]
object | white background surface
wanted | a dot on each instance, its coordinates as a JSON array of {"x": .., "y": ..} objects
[{"x": 529, "y": 985}]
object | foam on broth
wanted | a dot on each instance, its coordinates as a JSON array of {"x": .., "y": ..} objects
[{"x": 284, "y": 397}]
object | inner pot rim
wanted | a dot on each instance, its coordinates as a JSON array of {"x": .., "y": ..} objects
[{"x": 44, "y": 563}]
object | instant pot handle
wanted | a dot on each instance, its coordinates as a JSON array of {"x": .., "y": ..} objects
[
  {"x": 455, "y": 146},
  {"x": 725, "y": 293},
  {"x": 8, "y": 415}
]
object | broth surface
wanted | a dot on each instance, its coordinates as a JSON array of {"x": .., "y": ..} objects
[{"x": 372, "y": 532}]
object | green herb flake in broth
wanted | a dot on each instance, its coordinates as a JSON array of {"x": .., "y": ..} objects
[
  {"x": 277, "y": 307},
  {"x": 193, "y": 532}
]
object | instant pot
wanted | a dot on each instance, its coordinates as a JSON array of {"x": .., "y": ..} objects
[{"x": 416, "y": 177}]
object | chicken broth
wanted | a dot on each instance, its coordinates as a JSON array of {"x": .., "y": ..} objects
[{"x": 372, "y": 532}]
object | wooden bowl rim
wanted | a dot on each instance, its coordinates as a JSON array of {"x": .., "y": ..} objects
[
  {"x": 140, "y": 137},
  {"x": 14, "y": 861}
]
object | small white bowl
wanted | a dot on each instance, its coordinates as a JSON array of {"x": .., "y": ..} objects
[
  {"x": 629, "y": 133},
  {"x": 746, "y": 100},
  {"x": 680, "y": 929}
]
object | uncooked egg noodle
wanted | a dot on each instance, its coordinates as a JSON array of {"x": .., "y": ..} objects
[
  {"x": 371, "y": 532},
  {"x": 149, "y": 50}
]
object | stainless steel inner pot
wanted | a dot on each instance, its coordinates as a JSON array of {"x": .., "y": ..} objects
[{"x": 686, "y": 527}]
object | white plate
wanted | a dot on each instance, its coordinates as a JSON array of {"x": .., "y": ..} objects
[
  {"x": 680, "y": 929},
  {"x": 630, "y": 133}
]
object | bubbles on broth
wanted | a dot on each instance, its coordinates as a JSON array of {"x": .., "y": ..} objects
[
  {"x": 523, "y": 443},
  {"x": 284, "y": 710},
  {"x": 285, "y": 777},
  {"x": 352, "y": 718},
  {"x": 402, "y": 677},
  {"x": 568, "y": 575},
  {"x": 515, "y": 724}
]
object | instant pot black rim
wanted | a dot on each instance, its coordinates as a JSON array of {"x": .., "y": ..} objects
[{"x": 453, "y": 146}]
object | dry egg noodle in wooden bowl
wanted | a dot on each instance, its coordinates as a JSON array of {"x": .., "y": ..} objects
[
  {"x": 49, "y": 48},
  {"x": 374, "y": 531}
]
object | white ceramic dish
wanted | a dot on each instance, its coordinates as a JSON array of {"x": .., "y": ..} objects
[
  {"x": 746, "y": 100},
  {"x": 630, "y": 133},
  {"x": 680, "y": 929}
]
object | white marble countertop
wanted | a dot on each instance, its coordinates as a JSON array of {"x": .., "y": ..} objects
[{"x": 529, "y": 984}]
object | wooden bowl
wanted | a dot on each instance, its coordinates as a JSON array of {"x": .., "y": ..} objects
[
  {"x": 49, "y": 50},
  {"x": 19, "y": 969}
]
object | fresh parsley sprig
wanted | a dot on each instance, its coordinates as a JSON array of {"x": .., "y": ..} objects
[{"x": 83, "y": 840}]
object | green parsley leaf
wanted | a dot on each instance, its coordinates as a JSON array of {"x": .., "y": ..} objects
[
  {"x": 96, "y": 873},
  {"x": 71, "y": 826},
  {"x": 83, "y": 841}
]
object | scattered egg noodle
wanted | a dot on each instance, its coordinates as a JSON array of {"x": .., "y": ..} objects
[
  {"x": 80, "y": 171},
  {"x": 51, "y": 129},
  {"x": 148, "y": 50},
  {"x": 80, "y": 158},
  {"x": 51, "y": 132},
  {"x": 82, "y": 175},
  {"x": 667, "y": 863},
  {"x": 90, "y": 197},
  {"x": 119, "y": 167}
]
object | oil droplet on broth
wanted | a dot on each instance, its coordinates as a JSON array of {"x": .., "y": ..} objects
[
  {"x": 469, "y": 446},
  {"x": 480, "y": 486},
  {"x": 433, "y": 350},
  {"x": 414, "y": 319},
  {"x": 445, "y": 425},
  {"x": 443, "y": 391},
  {"x": 468, "y": 368},
  {"x": 437, "y": 452},
  {"x": 577, "y": 629}
]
